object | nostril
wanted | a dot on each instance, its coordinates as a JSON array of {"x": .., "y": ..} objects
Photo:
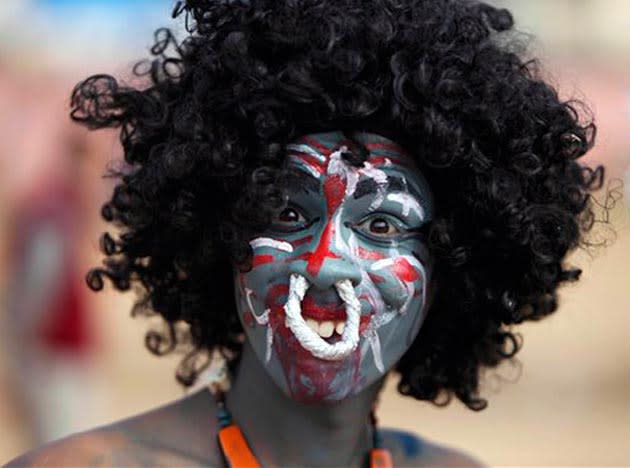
[
  {"x": 355, "y": 281},
  {"x": 330, "y": 272}
]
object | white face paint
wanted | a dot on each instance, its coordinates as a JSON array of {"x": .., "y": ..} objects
[
  {"x": 339, "y": 281},
  {"x": 273, "y": 243},
  {"x": 408, "y": 203}
]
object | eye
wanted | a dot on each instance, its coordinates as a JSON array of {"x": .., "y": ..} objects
[
  {"x": 290, "y": 215},
  {"x": 378, "y": 227},
  {"x": 290, "y": 219}
]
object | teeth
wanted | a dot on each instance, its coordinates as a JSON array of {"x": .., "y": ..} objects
[
  {"x": 326, "y": 329},
  {"x": 313, "y": 325}
]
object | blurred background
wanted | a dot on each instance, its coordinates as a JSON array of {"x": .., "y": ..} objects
[{"x": 71, "y": 360}]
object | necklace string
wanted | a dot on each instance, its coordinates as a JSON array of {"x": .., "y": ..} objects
[{"x": 238, "y": 454}]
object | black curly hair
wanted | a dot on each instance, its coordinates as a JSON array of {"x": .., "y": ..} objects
[{"x": 204, "y": 146}]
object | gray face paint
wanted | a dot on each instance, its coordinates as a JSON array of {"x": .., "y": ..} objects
[{"x": 338, "y": 285}]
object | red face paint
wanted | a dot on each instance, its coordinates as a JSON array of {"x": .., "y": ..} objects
[
  {"x": 334, "y": 191},
  {"x": 365, "y": 254},
  {"x": 261, "y": 260},
  {"x": 315, "y": 252},
  {"x": 311, "y": 161},
  {"x": 302, "y": 241},
  {"x": 404, "y": 270}
]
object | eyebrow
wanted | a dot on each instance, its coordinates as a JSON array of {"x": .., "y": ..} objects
[
  {"x": 367, "y": 187},
  {"x": 299, "y": 179}
]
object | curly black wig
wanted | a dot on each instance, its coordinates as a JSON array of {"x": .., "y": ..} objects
[{"x": 204, "y": 148}]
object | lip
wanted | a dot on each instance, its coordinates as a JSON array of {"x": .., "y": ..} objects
[
  {"x": 311, "y": 308},
  {"x": 332, "y": 312}
]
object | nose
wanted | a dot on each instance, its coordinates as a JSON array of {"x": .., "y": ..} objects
[
  {"x": 331, "y": 271},
  {"x": 327, "y": 265}
]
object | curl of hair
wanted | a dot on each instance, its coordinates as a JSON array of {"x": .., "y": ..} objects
[{"x": 204, "y": 149}]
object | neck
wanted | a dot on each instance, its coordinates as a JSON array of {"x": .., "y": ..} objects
[{"x": 281, "y": 431}]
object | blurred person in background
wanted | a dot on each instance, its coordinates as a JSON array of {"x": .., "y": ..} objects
[
  {"x": 261, "y": 99},
  {"x": 49, "y": 335},
  {"x": 47, "y": 331}
]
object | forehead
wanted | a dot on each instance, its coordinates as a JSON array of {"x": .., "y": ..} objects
[
  {"x": 315, "y": 154},
  {"x": 320, "y": 148}
]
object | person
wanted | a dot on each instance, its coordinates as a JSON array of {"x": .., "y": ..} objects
[{"x": 324, "y": 192}]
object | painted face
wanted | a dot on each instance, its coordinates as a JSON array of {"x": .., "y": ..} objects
[{"x": 338, "y": 286}]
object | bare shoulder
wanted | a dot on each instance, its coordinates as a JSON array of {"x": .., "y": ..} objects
[
  {"x": 173, "y": 435},
  {"x": 99, "y": 447},
  {"x": 409, "y": 450}
]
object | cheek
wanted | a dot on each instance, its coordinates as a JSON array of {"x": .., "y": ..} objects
[
  {"x": 269, "y": 272},
  {"x": 399, "y": 280}
]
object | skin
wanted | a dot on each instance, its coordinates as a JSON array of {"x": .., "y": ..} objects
[
  {"x": 342, "y": 222},
  {"x": 183, "y": 433},
  {"x": 337, "y": 412}
]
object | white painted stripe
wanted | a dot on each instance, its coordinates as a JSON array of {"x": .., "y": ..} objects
[
  {"x": 408, "y": 203},
  {"x": 272, "y": 243},
  {"x": 302, "y": 148},
  {"x": 304, "y": 165},
  {"x": 380, "y": 264}
]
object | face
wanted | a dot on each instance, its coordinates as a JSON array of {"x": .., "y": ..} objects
[{"x": 338, "y": 287}]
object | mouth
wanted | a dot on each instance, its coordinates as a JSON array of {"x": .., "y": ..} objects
[
  {"x": 329, "y": 321},
  {"x": 325, "y": 320},
  {"x": 329, "y": 331}
]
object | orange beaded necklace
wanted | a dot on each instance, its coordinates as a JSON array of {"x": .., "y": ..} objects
[{"x": 237, "y": 454}]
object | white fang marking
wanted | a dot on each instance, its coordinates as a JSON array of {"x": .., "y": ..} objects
[
  {"x": 375, "y": 345},
  {"x": 273, "y": 243},
  {"x": 262, "y": 319},
  {"x": 269, "y": 344},
  {"x": 408, "y": 203}
]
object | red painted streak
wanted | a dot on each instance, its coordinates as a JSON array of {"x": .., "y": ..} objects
[
  {"x": 298, "y": 363},
  {"x": 370, "y": 254},
  {"x": 275, "y": 301},
  {"x": 262, "y": 260},
  {"x": 316, "y": 145},
  {"x": 376, "y": 278},
  {"x": 334, "y": 312},
  {"x": 275, "y": 293},
  {"x": 306, "y": 256},
  {"x": 303, "y": 240},
  {"x": 364, "y": 321},
  {"x": 404, "y": 270},
  {"x": 334, "y": 191},
  {"x": 322, "y": 252}
]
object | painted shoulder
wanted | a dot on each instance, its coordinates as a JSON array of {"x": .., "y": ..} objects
[
  {"x": 177, "y": 434},
  {"x": 409, "y": 450}
]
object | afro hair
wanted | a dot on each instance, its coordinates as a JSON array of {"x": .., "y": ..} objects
[{"x": 204, "y": 146}]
